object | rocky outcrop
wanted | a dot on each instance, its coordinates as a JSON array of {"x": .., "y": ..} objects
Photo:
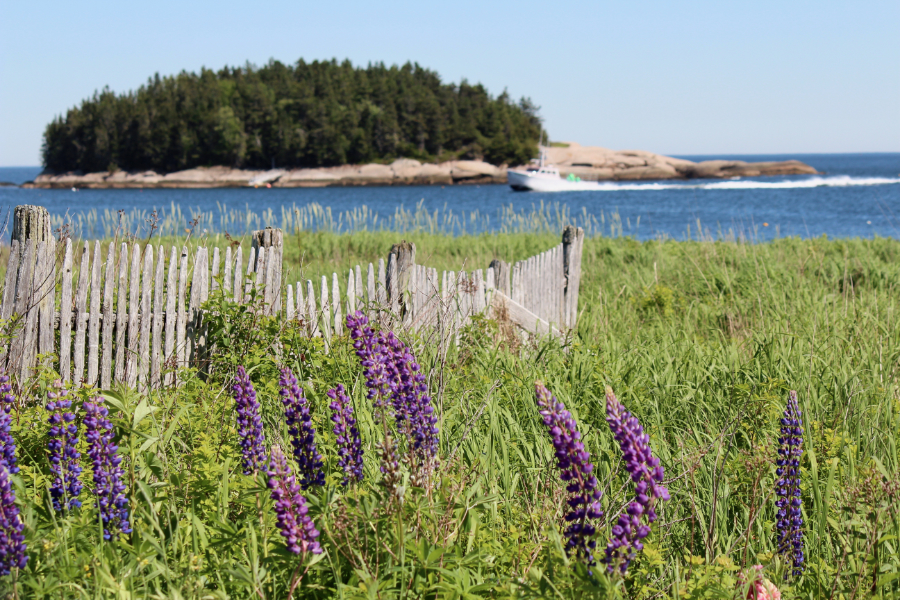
[
  {"x": 591, "y": 163},
  {"x": 403, "y": 171}
]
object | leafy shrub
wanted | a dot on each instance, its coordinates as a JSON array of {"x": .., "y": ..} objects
[{"x": 657, "y": 300}]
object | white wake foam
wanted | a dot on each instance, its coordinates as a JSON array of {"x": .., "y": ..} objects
[
  {"x": 812, "y": 182},
  {"x": 751, "y": 184}
]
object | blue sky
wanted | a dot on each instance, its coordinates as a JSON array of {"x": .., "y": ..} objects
[{"x": 687, "y": 77}]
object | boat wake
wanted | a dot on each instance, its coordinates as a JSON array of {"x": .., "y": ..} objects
[
  {"x": 812, "y": 182},
  {"x": 750, "y": 184}
]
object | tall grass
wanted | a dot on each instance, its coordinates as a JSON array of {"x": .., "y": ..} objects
[
  {"x": 177, "y": 222},
  {"x": 700, "y": 340}
]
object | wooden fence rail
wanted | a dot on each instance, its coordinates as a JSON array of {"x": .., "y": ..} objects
[{"x": 134, "y": 315}]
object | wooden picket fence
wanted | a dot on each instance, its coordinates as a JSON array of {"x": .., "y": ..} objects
[
  {"x": 136, "y": 317},
  {"x": 539, "y": 294}
]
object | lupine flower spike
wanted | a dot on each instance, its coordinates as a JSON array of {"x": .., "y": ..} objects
[
  {"x": 296, "y": 526},
  {"x": 646, "y": 473},
  {"x": 63, "y": 450},
  {"x": 577, "y": 471},
  {"x": 303, "y": 436},
  {"x": 372, "y": 355},
  {"x": 12, "y": 540},
  {"x": 397, "y": 389},
  {"x": 347, "y": 434},
  {"x": 7, "y": 443},
  {"x": 412, "y": 405},
  {"x": 108, "y": 476},
  {"x": 249, "y": 423},
  {"x": 789, "y": 524}
]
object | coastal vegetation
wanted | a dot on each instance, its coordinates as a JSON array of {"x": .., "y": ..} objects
[
  {"x": 313, "y": 114},
  {"x": 702, "y": 342}
]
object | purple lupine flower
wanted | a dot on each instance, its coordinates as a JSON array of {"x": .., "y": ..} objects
[
  {"x": 369, "y": 349},
  {"x": 577, "y": 471},
  {"x": 296, "y": 526},
  {"x": 108, "y": 476},
  {"x": 646, "y": 473},
  {"x": 391, "y": 352},
  {"x": 789, "y": 524},
  {"x": 303, "y": 436},
  {"x": 412, "y": 406},
  {"x": 64, "y": 455},
  {"x": 249, "y": 423},
  {"x": 347, "y": 434},
  {"x": 12, "y": 540},
  {"x": 373, "y": 357},
  {"x": 7, "y": 443},
  {"x": 392, "y": 372}
]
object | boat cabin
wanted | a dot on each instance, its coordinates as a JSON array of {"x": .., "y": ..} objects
[{"x": 546, "y": 170}]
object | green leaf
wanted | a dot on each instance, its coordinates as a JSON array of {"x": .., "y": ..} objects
[
  {"x": 171, "y": 428},
  {"x": 148, "y": 443},
  {"x": 115, "y": 400},
  {"x": 143, "y": 410},
  {"x": 887, "y": 579},
  {"x": 316, "y": 558}
]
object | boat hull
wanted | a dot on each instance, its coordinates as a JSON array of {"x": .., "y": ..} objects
[{"x": 527, "y": 181}]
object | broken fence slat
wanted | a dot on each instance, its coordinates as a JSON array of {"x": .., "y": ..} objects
[
  {"x": 145, "y": 318},
  {"x": 93, "y": 348},
  {"x": 213, "y": 284},
  {"x": 109, "y": 281},
  {"x": 521, "y": 316},
  {"x": 80, "y": 314},
  {"x": 289, "y": 305},
  {"x": 181, "y": 322},
  {"x": 47, "y": 299},
  {"x": 134, "y": 307},
  {"x": 239, "y": 275},
  {"x": 336, "y": 303},
  {"x": 121, "y": 313},
  {"x": 171, "y": 315},
  {"x": 157, "y": 325},
  {"x": 312, "y": 322}
]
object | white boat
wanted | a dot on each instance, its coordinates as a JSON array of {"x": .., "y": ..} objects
[
  {"x": 266, "y": 178},
  {"x": 546, "y": 178}
]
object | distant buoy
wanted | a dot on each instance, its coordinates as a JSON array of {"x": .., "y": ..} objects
[
  {"x": 268, "y": 185},
  {"x": 74, "y": 189},
  {"x": 765, "y": 224}
]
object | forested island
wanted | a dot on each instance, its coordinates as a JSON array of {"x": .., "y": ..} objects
[
  {"x": 326, "y": 123},
  {"x": 317, "y": 114}
]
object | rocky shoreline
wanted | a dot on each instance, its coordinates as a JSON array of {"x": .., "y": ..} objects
[{"x": 591, "y": 163}]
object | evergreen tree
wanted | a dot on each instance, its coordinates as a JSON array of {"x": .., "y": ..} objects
[{"x": 309, "y": 114}]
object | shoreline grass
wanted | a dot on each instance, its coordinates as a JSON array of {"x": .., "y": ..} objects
[{"x": 701, "y": 340}]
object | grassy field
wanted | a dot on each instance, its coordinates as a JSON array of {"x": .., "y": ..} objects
[{"x": 700, "y": 340}]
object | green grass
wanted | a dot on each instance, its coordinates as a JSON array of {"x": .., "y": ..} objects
[{"x": 700, "y": 340}]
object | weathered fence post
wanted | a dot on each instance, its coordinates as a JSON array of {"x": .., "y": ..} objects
[
  {"x": 573, "y": 242},
  {"x": 270, "y": 238},
  {"x": 501, "y": 275},
  {"x": 404, "y": 255},
  {"x": 31, "y": 223},
  {"x": 29, "y": 291}
]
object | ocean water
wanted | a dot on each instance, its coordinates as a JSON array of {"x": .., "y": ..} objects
[{"x": 856, "y": 195}]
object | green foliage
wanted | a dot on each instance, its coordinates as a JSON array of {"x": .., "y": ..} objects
[
  {"x": 656, "y": 300},
  {"x": 309, "y": 114},
  {"x": 708, "y": 396}
]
